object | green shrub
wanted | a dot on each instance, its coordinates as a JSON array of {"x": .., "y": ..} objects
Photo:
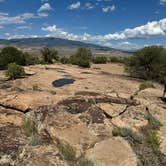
[
  {"x": 116, "y": 132},
  {"x": 31, "y": 59},
  {"x": 145, "y": 85},
  {"x": 49, "y": 55},
  {"x": 36, "y": 140},
  {"x": 85, "y": 162},
  {"x": 153, "y": 139},
  {"x": 85, "y": 63},
  {"x": 66, "y": 151},
  {"x": 15, "y": 71},
  {"x": 117, "y": 59},
  {"x": 36, "y": 88},
  {"x": 11, "y": 55},
  {"x": 84, "y": 53},
  {"x": 148, "y": 63},
  {"x": 100, "y": 60},
  {"x": 154, "y": 123},
  {"x": 64, "y": 60},
  {"x": 127, "y": 132},
  {"x": 28, "y": 126}
]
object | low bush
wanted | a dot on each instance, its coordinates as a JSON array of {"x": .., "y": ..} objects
[
  {"x": 145, "y": 85},
  {"x": 84, "y": 63},
  {"x": 154, "y": 123},
  {"x": 15, "y": 71},
  {"x": 100, "y": 60},
  {"x": 153, "y": 139},
  {"x": 28, "y": 126},
  {"x": 31, "y": 59},
  {"x": 36, "y": 88},
  {"x": 116, "y": 132},
  {"x": 85, "y": 162},
  {"x": 64, "y": 60},
  {"x": 66, "y": 151},
  {"x": 36, "y": 140},
  {"x": 117, "y": 59},
  {"x": 127, "y": 132}
]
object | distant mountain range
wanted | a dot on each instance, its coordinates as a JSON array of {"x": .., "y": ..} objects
[{"x": 63, "y": 45}]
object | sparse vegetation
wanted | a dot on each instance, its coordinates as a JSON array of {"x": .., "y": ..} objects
[
  {"x": 28, "y": 126},
  {"x": 49, "y": 55},
  {"x": 145, "y": 85},
  {"x": 11, "y": 55},
  {"x": 127, "y": 132},
  {"x": 117, "y": 59},
  {"x": 64, "y": 60},
  {"x": 82, "y": 58},
  {"x": 153, "y": 139},
  {"x": 69, "y": 155},
  {"x": 116, "y": 131},
  {"x": 154, "y": 123},
  {"x": 35, "y": 140},
  {"x": 36, "y": 88},
  {"x": 66, "y": 151},
  {"x": 31, "y": 59},
  {"x": 15, "y": 71},
  {"x": 100, "y": 60},
  {"x": 85, "y": 162},
  {"x": 148, "y": 63}
]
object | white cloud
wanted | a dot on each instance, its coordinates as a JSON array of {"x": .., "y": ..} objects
[
  {"x": 45, "y": 7},
  {"x": 15, "y": 36},
  {"x": 18, "y": 19},
  {"x": 154, "y": 28},
  {"x": 162, "y": 2},
  {"x": 24, "y": 27},
  {"x": 88, "y": 6},
  {"x": 109, "y": 8},
  {"x": 2, "y": 1},
  {"x": 74, "y": 6}
]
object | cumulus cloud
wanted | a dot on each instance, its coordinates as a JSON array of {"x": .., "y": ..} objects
[
  {"x": 162, "y": 1},
  {"x": 109, "y": 8},
  {"x": 18, "y": 19},
  {"x": 154, "y": 28},
  {"x": 74, "y": 6},
  {"x": 45, "y": 7}
]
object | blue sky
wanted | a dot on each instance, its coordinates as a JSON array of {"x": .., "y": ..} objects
[{"x": 124, "y": 24}]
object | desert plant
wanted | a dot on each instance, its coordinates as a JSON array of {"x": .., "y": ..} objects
[
  {"x": 127, "y": 132},
  {"x": 154, "y": 123},
  {"x": 36, "y": 140},
  {"x": 36, "y": 88},
  {"x": 84, "y": 53},
  {"x": 31, "y": 59},
  {"x": 100, "y": 60},
  {"x": 85, "y": 63},
  {"x": 64, "y": 60},
  {"x": 49, "y": 55},
  {"x": 85, "y": 162},
  {"x": 153, "y": 139},
  {"x": 66, "y": 151},
  {"x": 11, "y": 55},
  {"x": 116, "y": 132},
  {"x": 117, "y": 59},
  {"x": 145, "y": 85},
  {"x": 15, "y": 71},
  {"x": 28, "y": 126}
]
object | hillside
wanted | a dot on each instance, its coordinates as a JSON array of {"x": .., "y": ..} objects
[{"x": 65, "y": 47}]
